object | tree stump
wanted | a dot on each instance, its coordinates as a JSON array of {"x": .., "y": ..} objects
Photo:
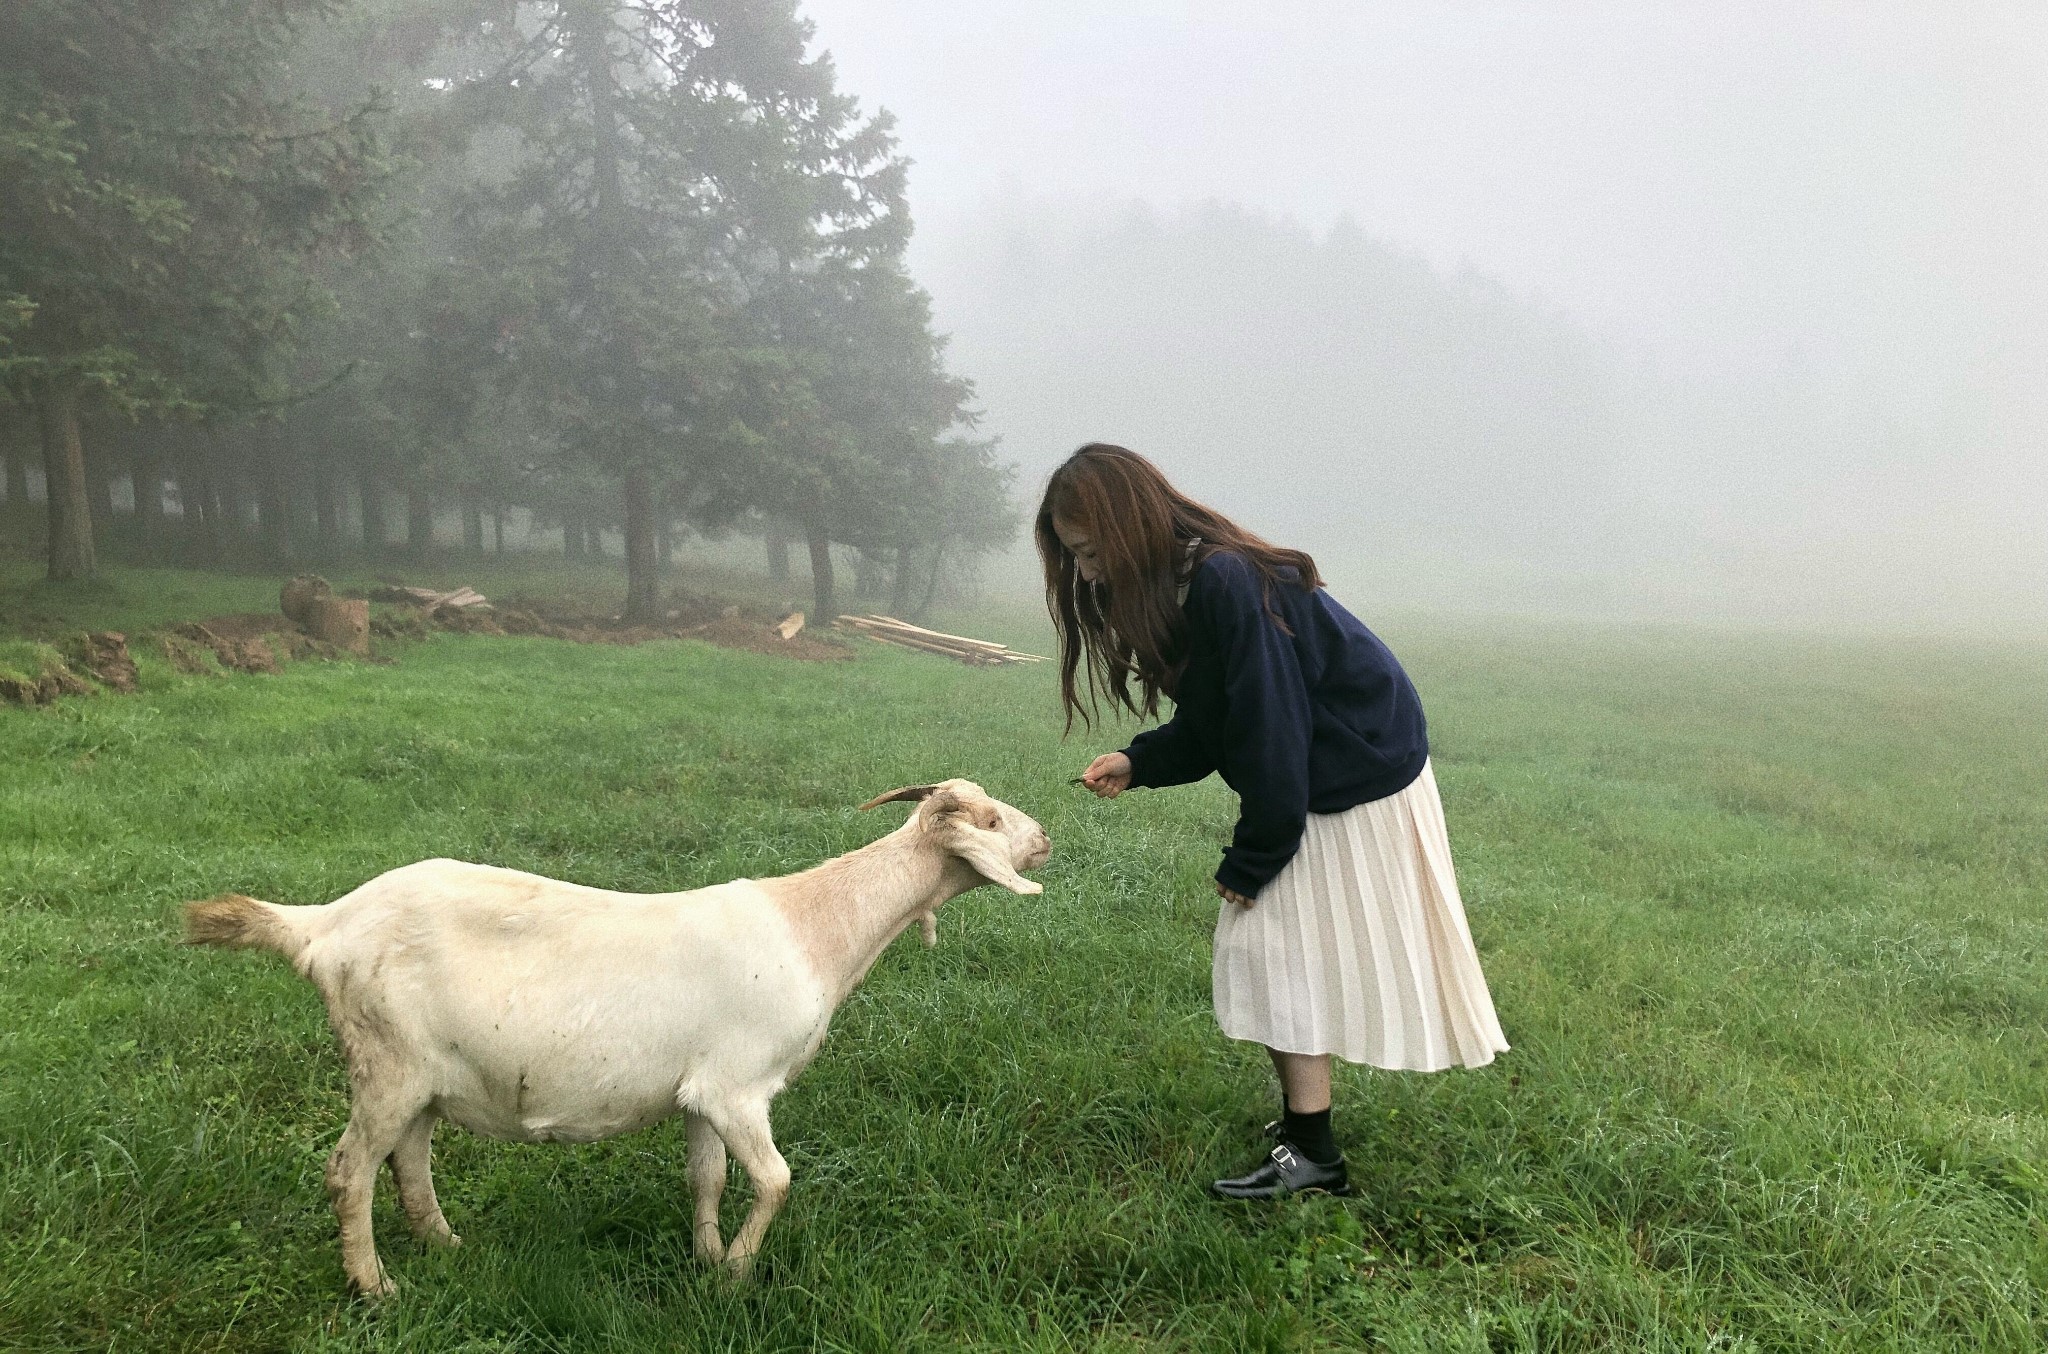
[
  {"x": 343, "y": 622},
  {"x": 295, "y": 599}
]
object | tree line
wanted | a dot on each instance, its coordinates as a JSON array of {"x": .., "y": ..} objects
[{"x": 302, "y": 273}]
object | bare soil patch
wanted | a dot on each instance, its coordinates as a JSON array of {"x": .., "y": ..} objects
[
  {"x": 254, "y": 641},
  {"x": 104, "y": 655},
  {"x": 726, "y": 626},
  {"x": 80, "y": 665}
]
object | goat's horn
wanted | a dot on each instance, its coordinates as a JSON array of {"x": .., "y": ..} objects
[{"x": 907, "y": 792}]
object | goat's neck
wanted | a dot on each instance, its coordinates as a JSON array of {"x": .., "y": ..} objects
[{"x": 846, "y": 911}]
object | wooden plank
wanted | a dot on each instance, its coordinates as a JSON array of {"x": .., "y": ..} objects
[{"x": 1002, "y": 651}]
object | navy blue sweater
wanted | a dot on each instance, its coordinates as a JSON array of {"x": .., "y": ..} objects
[{"x": 1319, "y": 721}]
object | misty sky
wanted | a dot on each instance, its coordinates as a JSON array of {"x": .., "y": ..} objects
[
  {"x": 1863, "y": 185},
  {"x": 1829, "y": 218}
]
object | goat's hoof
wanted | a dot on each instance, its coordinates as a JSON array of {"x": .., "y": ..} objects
[
  {"x": 710, "y": 1253},
  {"x": 383, "y": 1286},
  {"x": 739, "y": 1268}
]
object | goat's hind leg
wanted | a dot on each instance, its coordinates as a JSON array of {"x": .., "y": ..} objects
[
  {"x": 707, "y": 1184},
  {"x": 412, "y": 1170},
  {"x": 376, "y": 1123},
  {"x": 745, "y": 1130}
]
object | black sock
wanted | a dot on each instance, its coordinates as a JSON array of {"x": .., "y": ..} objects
[{"x": 1309, "y": 1134}]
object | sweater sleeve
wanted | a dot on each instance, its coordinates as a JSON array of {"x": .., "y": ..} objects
[
  {"x": 1168, "y": 755},
  {"x": 1266, "y": 732}
]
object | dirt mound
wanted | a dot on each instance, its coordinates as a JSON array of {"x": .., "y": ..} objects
[
  {"x": 758, "y": 637},
  {"x": 725, "y": 627},
  {"x": 235, "y": 647},
  {"x": 188, "y": 656},
  {"x": 689, "y": 617},
  {"x": 104, "y": 655},
  {"x": 247, "y": 642},
  {"x": 79, "y": 666},
  {"x": 53, "y": 678},
  {"x": 251, "y": 641},
  {"x": 244, "y": 625}
]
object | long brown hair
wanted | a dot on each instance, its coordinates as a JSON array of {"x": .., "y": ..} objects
[{"x": 1129, "y": 627}]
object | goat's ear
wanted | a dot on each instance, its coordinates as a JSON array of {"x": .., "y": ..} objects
[
  {"x": 989, "y": 854},
  {"x": 912, "y": 792},
  {"x": 987, "y": 851}
]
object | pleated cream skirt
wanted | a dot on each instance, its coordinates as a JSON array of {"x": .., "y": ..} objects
[{"x": 1360, "y": 948}]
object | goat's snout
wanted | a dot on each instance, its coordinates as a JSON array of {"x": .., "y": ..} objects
[{"x": 1040, "y": 850}]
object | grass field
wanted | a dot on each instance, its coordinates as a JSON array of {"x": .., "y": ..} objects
[{"x": 1763, "y": 918}]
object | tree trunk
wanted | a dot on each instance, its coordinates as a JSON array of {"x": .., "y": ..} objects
[
  {"x": 371, "y": 491},
  {"x": 572, "y": 536},
  {"x": 99, "y": 487},
  {"x": 71, "y": 544},
  {"x": 497, "y": 528},
  {"x": 472, "y": 524},
  {"x": 777, "y": 541},
  {"x": 419, "y": 523},
  {"x": 274, "y": 503},
  {"x": 149, "y": 493},
  {"x": 643, "y": 562},
  {"x": 17, "y": 480},
  {"x": 234, "y": 507},
  {"x": 821, "y": 574},
  {"x": 899, "y": 594},
  {"x": 931, "y": 583},
  {"x": 195, "y": 495},
  {"x": 665, "y": 541},
  {"x": 326, "y": 508}
]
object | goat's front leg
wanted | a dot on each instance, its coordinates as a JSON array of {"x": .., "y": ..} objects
[
  {"x": 745, "y": 1130},
  {"x": 707, "y": 1184},
  {"x": 928, "y": 922},
  {"x": 412, "y": 1170}
]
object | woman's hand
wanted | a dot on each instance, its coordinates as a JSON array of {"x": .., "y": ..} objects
[
  {"x": 1108, "y": 775},
  {"x": 1237, "y": 898}
]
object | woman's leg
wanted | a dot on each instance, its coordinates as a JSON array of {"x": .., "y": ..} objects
[
  {"x": 1306, "y": 1158},
  {"x": 1304, "y": 1080}
]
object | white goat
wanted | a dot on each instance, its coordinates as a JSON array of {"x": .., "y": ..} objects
[{"x": 524, "y": 1008}]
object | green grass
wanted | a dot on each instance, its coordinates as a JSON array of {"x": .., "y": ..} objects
[{"x": 1762, "y": 918}]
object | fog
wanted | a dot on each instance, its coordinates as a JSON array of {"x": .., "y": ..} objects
[{"x": 1723, "y": 311}]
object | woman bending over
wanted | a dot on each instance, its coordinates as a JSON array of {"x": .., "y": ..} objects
[{"x": 1341, "y": 931}]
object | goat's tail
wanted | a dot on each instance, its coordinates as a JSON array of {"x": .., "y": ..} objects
[{"x": 237, "y": 921}]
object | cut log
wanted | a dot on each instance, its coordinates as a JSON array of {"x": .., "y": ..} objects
[
  {"x": 296, "y": 597},
  {"x": 790, "y": 626},
  {"x": 343, "y": 622}
]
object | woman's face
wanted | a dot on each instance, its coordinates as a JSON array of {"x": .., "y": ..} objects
[{"x": 1079, "y": 544}]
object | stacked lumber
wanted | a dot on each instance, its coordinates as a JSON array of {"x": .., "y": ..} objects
[
  {"x": 461, "y": 599},
  {"x": 978, "y": 653}
]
